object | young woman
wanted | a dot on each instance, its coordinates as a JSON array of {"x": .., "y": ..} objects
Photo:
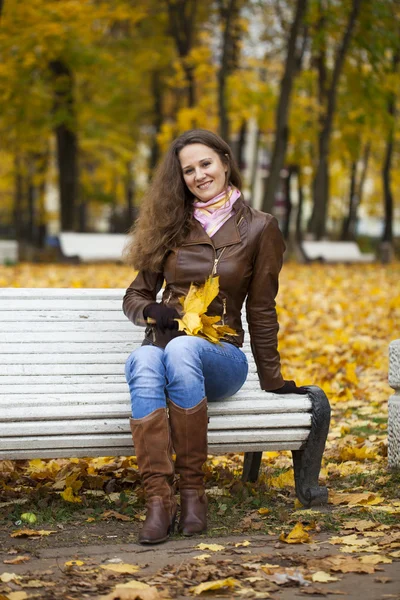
[{"x": 194, "y": 223}]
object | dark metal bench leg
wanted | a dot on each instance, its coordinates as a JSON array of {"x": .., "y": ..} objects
[
  {"x": 307, "y": 460},
  {"x": 251, "y": 466}
]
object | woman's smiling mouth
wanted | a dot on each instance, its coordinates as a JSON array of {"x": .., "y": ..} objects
[{"x": 204, "y": 186}]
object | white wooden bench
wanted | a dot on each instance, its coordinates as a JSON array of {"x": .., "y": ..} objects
[
  {"x": 63, "y": 392},
  {"x": 8, "y": 251},
  {"x": 333, "y": 252},
  {"x": 90, "y": 247}
]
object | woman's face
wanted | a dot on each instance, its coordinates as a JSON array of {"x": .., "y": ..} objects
[{"x": 203, "y": 171}]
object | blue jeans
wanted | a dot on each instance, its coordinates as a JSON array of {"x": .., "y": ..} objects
[{"x": 185, "y": 371}]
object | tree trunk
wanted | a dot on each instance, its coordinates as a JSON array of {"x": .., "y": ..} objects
[
  {"x": 299, "y": 233},
  {"x": 317, "y": 224},
  {"x": 289, "y": 203},
  {"x": 18, "y": 199},
  {"x": 67, "y": 142},
  {"x": 387, "y": 164},
  {"x": 254, "y": 166},
  {"x": 182, "y": 23},
  {"x": 241, "y": 144},
  {"x": 226, "y": 14},
  {"x": 129, "y": 195},
  {"x": 282, "y": 113},
  {"x": 349, "y": 223},
  {"x": 157, "y": 92}
]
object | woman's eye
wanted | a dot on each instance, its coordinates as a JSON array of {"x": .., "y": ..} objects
[
  {"x": 187, "y": 172},
  {"x": 206, "y": 164}
]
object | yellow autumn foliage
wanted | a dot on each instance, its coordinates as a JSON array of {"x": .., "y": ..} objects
[{"x": 195, "y": 321}]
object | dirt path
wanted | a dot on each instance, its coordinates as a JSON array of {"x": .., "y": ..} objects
[{"x": 173, "y": 568}]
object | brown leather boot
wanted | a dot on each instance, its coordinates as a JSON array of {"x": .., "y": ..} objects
[
  {"x": 153, "y": 447},
  {"x": 189, "y": 438}
]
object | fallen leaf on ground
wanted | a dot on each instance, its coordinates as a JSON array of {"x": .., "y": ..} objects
[
  {"x": 17, "y": 560},
  {"x": 353, "y": 499},
  {"x": 202, "y": 556},
  {"x": 108, "y": 514},
  {"x": 375, "y": 559},
  {"x": 361, "y": 525},
  {"x": 133, "y": 590},
  {"x": 219, "y": 584},
  {"x": 7, "y": 577},
  {"x": 263, "y": 511},
  {"x": 350, "y": 540},
  {"x": 297, "y": 536},
  {"x": 323, "y": 577},
  {"x": 69, "y": 496},
  {"x": 74, "y": 563},
  {"x": 245, "y": 544},
  {"x": 122, "y": 568},
  {"x": 31, "y": 533},
  {"x": 212, "y": 547}
]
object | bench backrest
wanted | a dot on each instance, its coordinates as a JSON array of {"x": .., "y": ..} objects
[
  {"x": 8, "y": 251},
  {"x": 92, "y": 246},
  {"x": 63, "y": 390},
  {"x": 334, "y": 251}
]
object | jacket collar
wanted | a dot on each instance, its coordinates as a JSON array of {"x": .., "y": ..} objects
[{"x": 227, "y": 235}]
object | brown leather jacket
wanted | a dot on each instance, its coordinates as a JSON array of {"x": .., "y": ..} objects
[{"x": 247, "y": 254}]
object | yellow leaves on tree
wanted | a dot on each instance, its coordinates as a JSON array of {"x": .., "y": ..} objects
[{"x": 195, "y": 305}]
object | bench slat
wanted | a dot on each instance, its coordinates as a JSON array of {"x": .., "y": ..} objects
[
  {"x": 65, "y": 359},
  {"x": 27, "y": 316},
  {"x": 94, "y": 386},
  {"x": 221, "y": 419},
  {"x": 244, "y": 402},
  {"x": 69, "y": 348},
  {"x": 69, "y": 326},
  {"x": 77, "y": 337},
  {"x": 127, "y": 450},
  {"x": 56, "y": 293},
  {"x": 123, "y": 439},
  {"x": 72, "y": 304}
]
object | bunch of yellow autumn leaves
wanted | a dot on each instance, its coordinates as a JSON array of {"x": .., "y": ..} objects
[{"x": 194, "y": 320}]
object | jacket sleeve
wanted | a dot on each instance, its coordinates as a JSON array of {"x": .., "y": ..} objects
[
  {"x": 260, "y": 306},
  {"x": 142, "y": 291}
]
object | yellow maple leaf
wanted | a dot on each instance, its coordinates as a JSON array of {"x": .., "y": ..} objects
[
  {"x": 375, "y": 559},
  {"x": 219, "y": 584},
  {"x": 212, "y": 547},
  {"x": 123, "y": 568},
  {"x": 68, "y": 495},
  {"x": 323, "y": 577},
  {"x": 194, "y": 320},
  {"x": 297, "y": 536}
]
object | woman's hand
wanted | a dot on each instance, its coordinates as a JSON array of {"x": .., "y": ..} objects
[
  {"x": 162, "y": 315},
  {"x": 289, "y": 387}
]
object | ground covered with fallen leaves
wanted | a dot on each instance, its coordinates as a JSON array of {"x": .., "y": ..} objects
[{"x": 336, "y": 325}]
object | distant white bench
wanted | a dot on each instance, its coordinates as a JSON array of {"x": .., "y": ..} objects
[
  {"x": 92, "y": 246},
  {"x": 332, "y": 252},
  {"x": 8, "y": 251},
  {"x": 63, "y": 392}
]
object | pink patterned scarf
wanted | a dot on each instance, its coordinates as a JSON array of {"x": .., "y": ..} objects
[{"x": 213, "y": 214}]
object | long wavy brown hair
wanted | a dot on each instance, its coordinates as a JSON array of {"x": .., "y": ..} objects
[{"x": 167, "y": 208}]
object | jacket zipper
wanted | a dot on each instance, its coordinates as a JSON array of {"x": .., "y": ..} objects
[
  {"x": 224, "y": 310},
  {"x": 216, "y": 261}
]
